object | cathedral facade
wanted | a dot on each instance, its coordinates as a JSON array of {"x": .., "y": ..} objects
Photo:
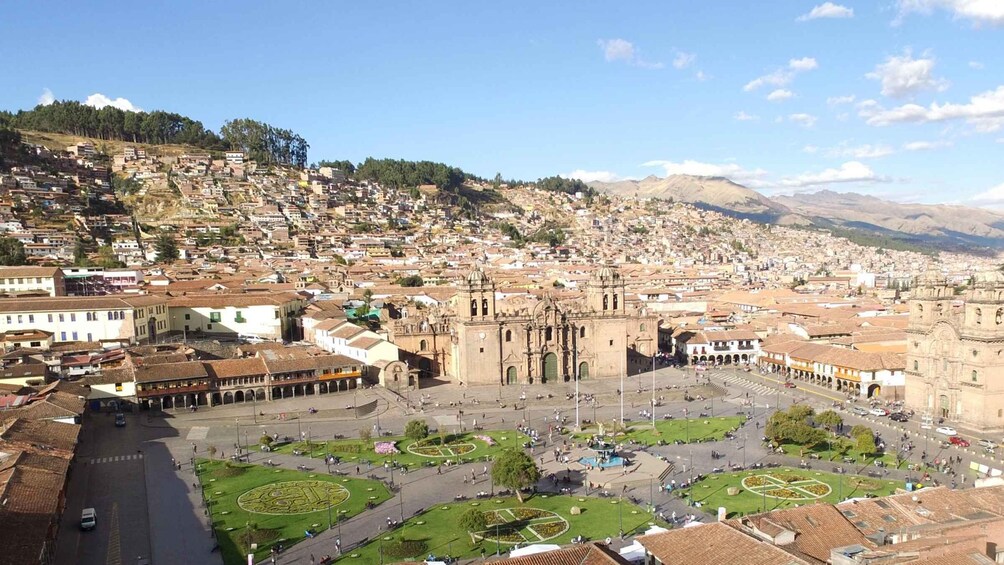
[
  {"x": 530, "y": 341},
  {"x": 955, "y": 351}
]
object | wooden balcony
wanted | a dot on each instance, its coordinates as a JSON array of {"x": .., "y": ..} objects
[{"x": 150, "y": 392}]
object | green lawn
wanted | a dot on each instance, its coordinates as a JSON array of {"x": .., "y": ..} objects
[
  {"x": 436, "y": 529},
  {"x": 462, "y": 447},
  {"x": 842, "y": 447},
  {"x": 712, "y": 492},
  {"x": 669, "y": 431},
  {"x": 224, "y": 483}
]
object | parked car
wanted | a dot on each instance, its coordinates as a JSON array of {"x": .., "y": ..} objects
[
  {"x": 88, "y": 519},
  {"x": 859, "y": 411},
  {"x": 986, "y": 443},
  {"x": 946, "y": 430},
  {"x": 959, "y": 441},
  {"x": 899, "y": 417},
  {"x": 120, "y": 420},
  {"x": 789, "y": 384},
  {"x": 878, "y": 412}
]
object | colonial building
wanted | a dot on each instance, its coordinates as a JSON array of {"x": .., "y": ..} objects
[
  {"x": 110, "y": 320},
  {"x": 955, "y": 351},
  {"x": 482, "y": 340},
  {"x": 32, "y": 280}
]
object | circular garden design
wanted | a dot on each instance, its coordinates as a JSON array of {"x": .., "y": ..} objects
[
  {"x": 430, "y": 448},
  {"x": 786, "y": 486},
  {"x": 522, "y": 525},
  {"x": 293, "y": 497}
]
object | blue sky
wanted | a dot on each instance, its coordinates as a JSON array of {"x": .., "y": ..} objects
[{"x": 902, "y": 99}]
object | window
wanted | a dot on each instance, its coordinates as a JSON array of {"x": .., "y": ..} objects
[
  {"x": 9, "y": 319},
  {"x": 60, "y": 317},
  {"x": 615, "y": 302},
  {"x": 611, "y": 343},
  {"x": 73, "y": 317},
  {"x": 606, "y": 302},
  {"x": 118, "y": 387},
  {"x": 215, "y": 316},
  {"x": 239, "y": 318},
  {"x": 916, "y": 365},
  {"x": 423, "y": 345},
  {"x": 31, "y": 318},
  {"x": 482, "y": 350},
  {"x": 641, "y": 328},
  {"x": 979, "y": 316},
  {"x": 35, "y": 344},
  {"x": 508, "y": 335},
  {"x": 20, "y": 319},
  {"x": 974, "y": 375},
  {"x": 582, "y": 331},
  {"x": 188, "y": 316},
  {"x": 548, "y": 333},
  {"x": 484, "y": 306},
  {"x": 74, "y": 336},
  {"x": 50, "y": 318},
  {"x": 89, "y": 336},
  {"x": 276, "y": 314},
  {"x": 474, "y": 307},
  {"x": 62, "y": 336}
]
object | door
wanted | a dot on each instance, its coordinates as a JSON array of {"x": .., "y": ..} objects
[
  {"x": 510, "y": 376},
  {"x": 944, "y": 406},
  {"x": 550, "y": 368},
  {"x": 583, "y": 371}
]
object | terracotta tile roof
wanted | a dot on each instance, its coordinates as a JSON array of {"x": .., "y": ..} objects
[
  {"x": 67, "y": 303},
  {"x": 593, "y": 553},
  {"x": 236, "y": 367},
  {"x": 276, "y": 366},
  {"x": 714, "y": 544},
  {"x": 8, "y": 272},
  {"x": 171, "y": 372},
  {"x": 58, "y": 405},
  {"x": 818, "y": 529},
  {"x": 366, "y": 342},
  {"x": 42, "y": 434},
  {"x": 31, "y": 491},
  {"x": 32, "y": 531},
  {"x": 234, "y": 300}
]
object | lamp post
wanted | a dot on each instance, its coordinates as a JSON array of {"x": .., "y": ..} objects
[
  {"x": 310, "y": 451},
  {"x": 401, "y": 503},
  {"x": 578, "y": 375},
  {"x": 254, "y": 409},
  {"x": 329, "y": 505},
  {"x": 623, "y": 370},
  {"x": 653, "y": 390},
  {"x": 238, "y": 444}
]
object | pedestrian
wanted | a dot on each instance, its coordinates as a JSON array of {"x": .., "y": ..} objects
[
  {"x": 311, "y": 559},
  {"x": 194, "y": 448},
  {"x": 357, "y": 469},
  {"x": 439, "y": 469},
  {"x": 465, "y": 479}
]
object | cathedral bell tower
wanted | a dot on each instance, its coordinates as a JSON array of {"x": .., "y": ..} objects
[
  {"x": 476, "y": 298},
  {"x": 984, "y": 315},
  {"x": 931, "y": 301},
  {"x": 605, "y": 294}
]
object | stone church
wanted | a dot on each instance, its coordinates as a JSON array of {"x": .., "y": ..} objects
[
  {"x": 955, "y": 351},
  {"x": 480, "y": 339}
]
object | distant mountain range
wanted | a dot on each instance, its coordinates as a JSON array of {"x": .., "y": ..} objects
[{"x": 863, "y": 218}]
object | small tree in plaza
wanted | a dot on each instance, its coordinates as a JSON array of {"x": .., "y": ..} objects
[
  {"x": 864, "y": 439},
  {"x": 416, "y": 430},
  {"x": 472, "y": 521},
  {"x": 265, "y": 439},
  {"x": 829, "y": 419},
  {"x": 516, "y": 470},
  {"x": 364, "y": 434}
]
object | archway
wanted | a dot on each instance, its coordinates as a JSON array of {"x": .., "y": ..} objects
[
  {"x": 943, "y": 405},
  {"x": 550, "y": 368},
  {"x": 510, "y": 376},
  {"x": 424, "y": 367},
  {"x": 583, "y": 371},
  {"x": 238, "y": 396},
  {"x": 166, "y": 402},
  {"x": 874, "y": 390},
  {"x": 228, "y": 397}
]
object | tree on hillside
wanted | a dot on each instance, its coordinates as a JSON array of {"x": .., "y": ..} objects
[
  {"x": 410, "y": 281},
  {"x": 167, "y": 248},
  {"x": 515, "y": 470},
  {"x": 12, "y": 252},
  {"x": 416, "y": 430},
  {"x": 472, "y": 521}
]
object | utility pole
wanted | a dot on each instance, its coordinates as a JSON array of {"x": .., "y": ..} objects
[
  {"x": 578, "y": 375},
  {"x": 653, "y": 387},
  {"x": 623, "y": 370}
]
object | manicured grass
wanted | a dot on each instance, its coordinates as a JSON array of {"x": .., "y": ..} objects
[
  {"x": 712, "y": 492},
  {"x": 458, "y": 449},
  {"x": 670, "y": 431},
  {"x": 437, "y": 527},
  {"x": 843, "y": 447},
  {"x": 224, "y": 483}
]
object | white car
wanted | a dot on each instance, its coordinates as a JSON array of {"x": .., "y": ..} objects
[
  {"x": 946, "y": 430},
  {"x": 878, "y": 412},
  {"x": 987, "y": 444}
]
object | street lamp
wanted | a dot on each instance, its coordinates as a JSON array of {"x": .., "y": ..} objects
[
  {"x": 623, "y": 370},
  {"x": 238, "y": 444},
  {"x": 254, "y": 401},
  {"x": 653, "y": 390},
  {"x": 578, "y": 375}
]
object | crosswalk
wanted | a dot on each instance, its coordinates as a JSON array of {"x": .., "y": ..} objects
[
  {"x": 732, "y": 379},
  {"x": 116, "y": 458}
]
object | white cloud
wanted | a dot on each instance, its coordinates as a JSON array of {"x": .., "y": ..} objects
[
  {"x": 978, "y": 11},
  {"x": 590, "y": 176},
  {"x": 827, "y": 10},
  {"x": 744, "y": 117},
  {"x": 804, "y": 120},
  {"x": 976, "y": 65},
  {"x": 779, "y": 95},
  {"x": 730, "y": 171},
  {"x": 782, "y": 76},
  {"x": 46, "y": 97},
  {"x": 99, "y": 101},
  {"x": 866, "y": 151},
  {"x": 837, "y": 100},
  {"x": 622, "y": 50},
  {"x": 925, "y": 145},
  {"x": 702, "y": 76},
  {"x": 803, "y": 64},
  {"x": 851, "y": 171},
  {"x": 903, "y": 76},
  {"x": 810, "y": 149},
  {"x": 993, "y": 196},
  {"x": 984, "y": 111},
  {"x": 683, "y": 60}
]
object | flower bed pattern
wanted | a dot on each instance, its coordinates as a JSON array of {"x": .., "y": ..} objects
[
  {"x": 293, "y": 497},
  {"x": 430, "y": 448},
  {"x": 385, "y": 448},
  {"x": 487, "y": 439},
  {"x": 522, "y": 525},
  {"x": 788, "y": 486}
]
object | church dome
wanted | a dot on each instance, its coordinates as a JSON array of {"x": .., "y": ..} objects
[
  {"x": 931, "y": 278},
  {"x": 607, "y": 273},
  {"x": 477, "y": 276},
  {"x": 989, "y": 279}
]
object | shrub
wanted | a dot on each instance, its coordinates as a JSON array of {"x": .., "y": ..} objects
[{"x": 405, "y": 548}]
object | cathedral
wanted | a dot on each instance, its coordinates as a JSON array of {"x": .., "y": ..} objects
[
  {"x": 955, "y": 351},
  {"x": 480, "y": 339}
]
